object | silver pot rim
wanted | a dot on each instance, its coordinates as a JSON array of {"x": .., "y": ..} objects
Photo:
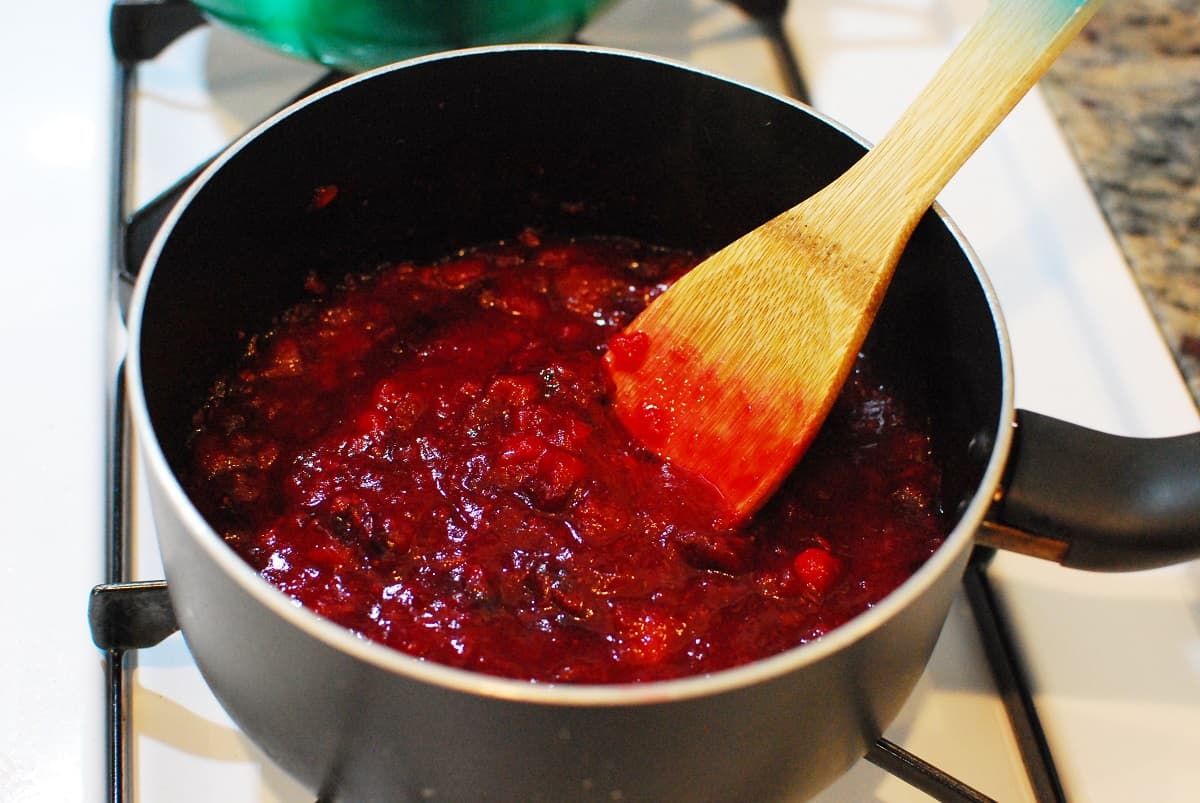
[{"x": 391, "y": 660}]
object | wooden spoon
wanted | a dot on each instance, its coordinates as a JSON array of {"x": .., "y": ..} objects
[{"x": 732, "y": 371}]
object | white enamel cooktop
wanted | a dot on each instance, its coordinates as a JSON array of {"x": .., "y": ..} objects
[{"x": 1115, "y": 659}]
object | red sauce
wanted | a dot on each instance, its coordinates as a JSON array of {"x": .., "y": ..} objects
[{"x": 426, "y": 456}]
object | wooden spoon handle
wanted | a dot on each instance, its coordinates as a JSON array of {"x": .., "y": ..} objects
[{"x": 998, "y": 61}]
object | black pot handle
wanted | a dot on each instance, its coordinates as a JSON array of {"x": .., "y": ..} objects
[{"x": 1091, "y": 500}]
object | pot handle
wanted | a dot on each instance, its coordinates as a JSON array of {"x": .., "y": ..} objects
[{"x": 1091, "y": 500}]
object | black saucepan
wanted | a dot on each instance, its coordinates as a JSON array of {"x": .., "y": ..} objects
[{"x": 448, "y": 151}]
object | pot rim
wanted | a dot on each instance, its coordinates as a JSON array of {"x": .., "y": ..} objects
[{"x": 470, "y": 682}]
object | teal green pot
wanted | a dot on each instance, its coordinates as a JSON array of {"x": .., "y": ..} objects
[{"x": 355, "y": 35}]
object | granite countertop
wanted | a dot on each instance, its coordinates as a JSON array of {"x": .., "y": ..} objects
[{"x": 1127, "y": 95}]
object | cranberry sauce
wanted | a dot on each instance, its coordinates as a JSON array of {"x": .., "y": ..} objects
[{"x": 426, "y": 456}]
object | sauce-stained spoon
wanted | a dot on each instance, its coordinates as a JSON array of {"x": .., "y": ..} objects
[{"x": 732, "y": 371}]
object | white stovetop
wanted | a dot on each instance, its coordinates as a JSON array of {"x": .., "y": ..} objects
[{"x": 1116, "y": 659}]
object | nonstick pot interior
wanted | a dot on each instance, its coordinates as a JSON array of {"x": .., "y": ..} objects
[{"x": 426, "y": 165}]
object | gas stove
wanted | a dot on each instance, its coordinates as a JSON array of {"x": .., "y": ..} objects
[{"x": 1110, "y": 705}]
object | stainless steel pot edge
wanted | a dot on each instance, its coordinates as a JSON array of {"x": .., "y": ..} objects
[{"x": 960, "y": 539}]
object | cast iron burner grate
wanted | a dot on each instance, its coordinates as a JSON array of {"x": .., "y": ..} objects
[{"x": 127, "y": 616}]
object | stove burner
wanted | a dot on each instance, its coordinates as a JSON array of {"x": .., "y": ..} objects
[{"x": 126, "y": 616}]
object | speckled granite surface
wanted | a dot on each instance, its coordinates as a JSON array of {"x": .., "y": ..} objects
[{"x": 1127, "y": 95}]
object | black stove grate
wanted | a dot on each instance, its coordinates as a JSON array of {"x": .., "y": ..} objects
[{"x": 126, "y": 616}]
